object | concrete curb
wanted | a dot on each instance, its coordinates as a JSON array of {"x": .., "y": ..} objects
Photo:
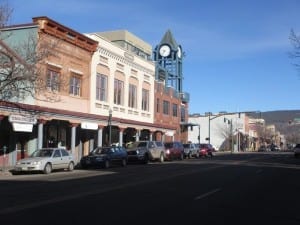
[{"x": 6, "y": 172}]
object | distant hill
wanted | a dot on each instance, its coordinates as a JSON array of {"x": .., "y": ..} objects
[
  {"x": 283, "y": 116},
  {"x": 281, "y": 121}
]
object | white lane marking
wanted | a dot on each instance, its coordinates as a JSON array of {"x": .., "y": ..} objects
[
  {"x": 207, "y": 194},
  {"x": 72, "y": 196}
]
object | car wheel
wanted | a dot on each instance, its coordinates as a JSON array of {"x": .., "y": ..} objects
[
  {"x": 161, "y": 158},
  {"x": 71, "y": 166},
  {"x": 124, "y": 162},
  {"x": 106, "y": 164},
  {"x": 146, "y": 159},
  {"x": 48, "y": 168},
  {"x": 181, "y": 156}
]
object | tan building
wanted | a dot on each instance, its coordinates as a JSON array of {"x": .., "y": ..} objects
[
  {"x": 99, "y": 89},
  {"x": 60, "y": 108},
  {"x": 124, "y": 76}
]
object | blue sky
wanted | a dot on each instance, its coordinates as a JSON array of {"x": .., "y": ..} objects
[{"x": 236, "y": 51}]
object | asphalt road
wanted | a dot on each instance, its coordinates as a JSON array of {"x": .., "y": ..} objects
[{"x": 245, "y": 188}]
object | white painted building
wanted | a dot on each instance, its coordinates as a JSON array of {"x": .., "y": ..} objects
[
  {"x": 112, "y": 63},
  {"x": 216, "y": 128}
]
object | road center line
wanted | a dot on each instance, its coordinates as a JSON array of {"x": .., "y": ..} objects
[{"x": 207, "y": 194}]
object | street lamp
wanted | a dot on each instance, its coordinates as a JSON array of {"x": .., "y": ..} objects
[
  {"x": 231, "y": 132},
  {"x": 109, "y": 126},
  {"x": 199, "y": 134},
  {"x": 4, "y": 152}
]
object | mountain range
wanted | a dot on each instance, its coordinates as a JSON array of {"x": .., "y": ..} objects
[{"x": 287, "y": 122}]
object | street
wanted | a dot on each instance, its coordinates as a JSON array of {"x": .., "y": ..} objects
[{"x": 242, "y": 188}]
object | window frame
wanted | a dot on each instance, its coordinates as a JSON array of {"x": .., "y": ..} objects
[
  {"x": 132, "y": 96},
  {"x": 53, "y": 79},
  {"x": 175, "y": 110},
  {"x": 145, "y": 99},
  {"x": 101, "y": 87},
  {"x": 75, "y": 84},
  {"x": 166, "y": 107},
  {"x": 118, "y": 92}
]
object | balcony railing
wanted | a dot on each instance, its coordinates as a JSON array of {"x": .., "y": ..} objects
[{"x": 185, "y": 97}]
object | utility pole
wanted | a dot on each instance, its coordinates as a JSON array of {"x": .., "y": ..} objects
[{"x": 109, "y": 126}]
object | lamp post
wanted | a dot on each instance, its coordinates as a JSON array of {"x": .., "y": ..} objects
[
  {"x": 109, "y": 126},
  {"x": 209, "y": 128},
  {"x": 231, "y": 132},
  {"x": 199, "y": 134},
  {"x": 4, "y": 157}
]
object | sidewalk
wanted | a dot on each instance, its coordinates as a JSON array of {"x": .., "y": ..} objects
[{"x": 6, "y": 171}]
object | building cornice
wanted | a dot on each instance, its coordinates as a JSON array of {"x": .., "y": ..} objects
[{"x": 62, "y": 32}]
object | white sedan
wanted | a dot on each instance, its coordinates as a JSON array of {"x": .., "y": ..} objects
[{"x": 46, "y": 160}]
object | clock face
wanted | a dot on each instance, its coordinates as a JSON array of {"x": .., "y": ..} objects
[
  {"x": 164, "y": 50},
  {"x": 179, "y": 53}
]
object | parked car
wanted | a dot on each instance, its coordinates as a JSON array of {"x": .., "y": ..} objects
[
  {"x": 145, "y": 151},
  {"x": 297, "y": 151},
  {"x": 105, "y": 157},
  {"x": 174, "y": 150},
  {"x": 263, "y": 148},
  {"x": 274, "y": 148},
  {"x": 206, "y": 150},
  {"x": 46, "y": 160},
  {"x": 191, "y": 150}
]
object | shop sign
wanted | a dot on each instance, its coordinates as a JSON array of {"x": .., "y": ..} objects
[
  {"x": 22, "y": 127},
  {"x": 169, "y": 133},
  {"x": 88, "y": 125},
  {"x": 22, "y": 119}
]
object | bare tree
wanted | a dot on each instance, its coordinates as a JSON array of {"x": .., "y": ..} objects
[
  {"x": 295, "y": 53},
  {"x": 225, "y": 132},
  {"x": 22, "y": 67},
  {"x": 5, "y": 13}
]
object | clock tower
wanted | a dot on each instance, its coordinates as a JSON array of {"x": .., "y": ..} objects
[
  {"x": 171, "y": 101},
  {"x": 168, "y": 57}
]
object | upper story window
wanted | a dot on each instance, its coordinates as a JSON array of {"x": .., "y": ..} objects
[
  {"x": 132, "y": 97},
  {"x": 118, "y": 92},
  {"x": 182, "y": 114},
  {"x": 145, "y": 100},
  {"x": 75, "y": 85},
  {"x": 53, "y": 80},
  {"x": 166, "y": 107},
  {"x": 157, "y": 105},
  {"x": 175, "y": 110},
  {"x": 101, "y": 87}
]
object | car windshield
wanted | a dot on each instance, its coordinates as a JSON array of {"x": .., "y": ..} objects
[
  {"x": 137, "y": 144},
  {"x": 100, "y": 151},
  {"x": 42, "y": 153},
  {"x": 168, "y": 145}
]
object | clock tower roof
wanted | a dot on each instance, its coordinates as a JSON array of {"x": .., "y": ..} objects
[{"x": 169, "y": 39}]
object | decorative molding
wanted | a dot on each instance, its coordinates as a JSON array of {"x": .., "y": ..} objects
[{"x": 124, "y": 60}]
